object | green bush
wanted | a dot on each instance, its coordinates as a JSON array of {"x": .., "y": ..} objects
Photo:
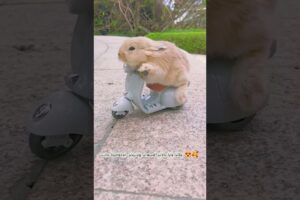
[
  {"x": 193, "y": 41},
  {"x": 185, "y": 30}
]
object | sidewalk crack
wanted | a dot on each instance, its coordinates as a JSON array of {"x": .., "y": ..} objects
[{"x": 108, "y": 129}]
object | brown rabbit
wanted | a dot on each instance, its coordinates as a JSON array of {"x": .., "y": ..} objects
[
  {"x": 242, "y": 30},
  {"x": 159, "y": 62}
]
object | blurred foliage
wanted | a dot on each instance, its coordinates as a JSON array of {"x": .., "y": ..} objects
[
  {"x": 192, "y": 40},
  {"x": 139, "y": 17}
]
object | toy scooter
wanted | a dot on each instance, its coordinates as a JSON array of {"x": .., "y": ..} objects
[
  {"x": 222, "y": 113},
  {"x": 60, "y": 120},
  {"x": 156, "y": 100}
]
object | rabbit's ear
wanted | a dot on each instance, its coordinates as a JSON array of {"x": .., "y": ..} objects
[{"x": 150, "y": 50}]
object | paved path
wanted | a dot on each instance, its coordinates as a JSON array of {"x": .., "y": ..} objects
[{"x": 168, "y": 131}]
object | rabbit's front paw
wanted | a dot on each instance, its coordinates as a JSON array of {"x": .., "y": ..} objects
[{"x": 146, "y": 70}]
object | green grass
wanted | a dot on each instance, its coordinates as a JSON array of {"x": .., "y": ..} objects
[
  {"x": 192, "y": 40},
  {"x": 185, "y": 30}
]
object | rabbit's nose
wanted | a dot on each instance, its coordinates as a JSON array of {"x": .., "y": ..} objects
[{"x": 121, "y": 55}]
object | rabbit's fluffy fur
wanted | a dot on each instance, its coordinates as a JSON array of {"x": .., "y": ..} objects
[
  {"x": 158, "y": 62},
  {"x": 242, "y": 30}
]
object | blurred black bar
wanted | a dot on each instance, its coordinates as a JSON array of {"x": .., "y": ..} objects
[
  {"x": 35, "y": 56},
  {"x": 260, "y": 161}
]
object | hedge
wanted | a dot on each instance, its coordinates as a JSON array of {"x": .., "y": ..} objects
[{"x": 191, "y": 41}]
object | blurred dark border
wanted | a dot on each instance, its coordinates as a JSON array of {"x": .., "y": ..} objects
[
  {"x": 262, "y": 160},
  {"x": 35, "y": 56}
]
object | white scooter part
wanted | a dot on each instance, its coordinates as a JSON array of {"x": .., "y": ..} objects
[{"x": 148, "y": 103}]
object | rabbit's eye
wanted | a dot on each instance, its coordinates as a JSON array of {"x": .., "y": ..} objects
[{"x": 131, "y": 48}]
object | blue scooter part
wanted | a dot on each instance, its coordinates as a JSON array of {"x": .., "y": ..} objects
[
  {"x": 60, "y": 120},
  {"x": 148, "y": 103},
  {"x": 58, "y": 124},
  {"x": 61, "y": 113}
]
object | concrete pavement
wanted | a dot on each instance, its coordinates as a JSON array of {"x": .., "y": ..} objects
[{"x": 168, "y": 131}]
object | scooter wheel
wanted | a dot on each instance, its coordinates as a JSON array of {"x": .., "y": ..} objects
[
  {"x": 50, "y": 153},
  {"x": 118, "y": 115},
  {"x": 236, "y": 125}
]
